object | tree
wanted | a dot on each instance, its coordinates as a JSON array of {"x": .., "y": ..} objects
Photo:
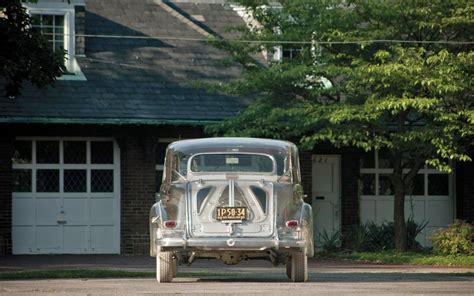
[
  {"x": 25, "y": 55},
  {"x": 365, "y": 74}
]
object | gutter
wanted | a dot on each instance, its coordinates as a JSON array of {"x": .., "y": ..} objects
[{"x": 105, "y": 121}]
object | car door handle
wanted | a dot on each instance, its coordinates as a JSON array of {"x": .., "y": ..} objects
[
  {"x": 319, "y": 197},
  {"x": 62, "y": 221}
]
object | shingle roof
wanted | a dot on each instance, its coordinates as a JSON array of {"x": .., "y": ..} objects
[{"x": 138, "y": 80}]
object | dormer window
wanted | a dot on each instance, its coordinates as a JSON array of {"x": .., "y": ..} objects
[
  {"x": 56, "y": 20},
  {"x": 290, "y": 51},
  {"x": 52, "y": 26}
]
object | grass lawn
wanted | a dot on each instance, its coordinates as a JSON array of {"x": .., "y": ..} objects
[{"x": 393, "y": 257}]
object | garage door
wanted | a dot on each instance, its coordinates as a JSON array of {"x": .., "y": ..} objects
[
  {"x": 66, "y": 196},
  {"x": 430, "y": 201}
]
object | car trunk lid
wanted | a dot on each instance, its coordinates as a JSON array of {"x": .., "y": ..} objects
[{"x": 246, "y": 208}]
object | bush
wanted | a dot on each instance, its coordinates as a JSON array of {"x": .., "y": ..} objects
[
  {"x": 331, "y": 243},
  {"x": 359, "y": 238},
  {"x": 413, "y": 229},
  {"x": 458, "y": 238},
  {"x": 381, "y": 237}
]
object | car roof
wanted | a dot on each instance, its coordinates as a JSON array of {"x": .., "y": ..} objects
[{"x": 230, "y": 143}]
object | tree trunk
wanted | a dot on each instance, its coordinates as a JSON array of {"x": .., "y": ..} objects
[
  {"x": 399, "y": 202},
  {"x": 399, "y": 216},
  {"x": 401, "y": 183}
]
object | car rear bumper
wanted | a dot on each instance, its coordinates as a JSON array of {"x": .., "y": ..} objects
[{"x": 234, "y": 244}]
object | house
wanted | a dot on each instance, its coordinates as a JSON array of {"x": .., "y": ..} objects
[{"x": 80, "y": 162}]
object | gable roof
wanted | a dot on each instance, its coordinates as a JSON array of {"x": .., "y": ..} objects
[{"x": 139, "y": 81}]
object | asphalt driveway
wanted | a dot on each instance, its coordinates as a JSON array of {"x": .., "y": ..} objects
[{"x": 254, "y": 277}]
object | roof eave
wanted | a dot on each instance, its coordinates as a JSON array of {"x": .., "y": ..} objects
[{"x": 105, "y": 121}]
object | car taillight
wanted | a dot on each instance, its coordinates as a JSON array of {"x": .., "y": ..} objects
[
  {"x": 169, "y": 224},
  {"x": 292, "y": 223}
]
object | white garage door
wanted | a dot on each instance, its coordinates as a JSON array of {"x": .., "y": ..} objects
[
  {"x": 431, "y": 199},
  {"x": 66, "y": 197}
]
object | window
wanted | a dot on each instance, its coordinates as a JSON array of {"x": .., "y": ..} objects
[
  {"x": 52, "y": 26},
  {"x": 374, "y": 179},
  {"x": 289, "y": 52},
  {"x": 57, "y": 22},
  {"x": 63, "y": 166},
  {"x": 232, "y": 163}
]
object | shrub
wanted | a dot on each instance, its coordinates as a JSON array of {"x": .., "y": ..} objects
[
  {"x": 458, "y": 238},
  {"x": 379, "y": 237},
  {"x": 359, "y": 238},
  {"x": 413, "y": 229},
  {"x": 331, "y": 243}
]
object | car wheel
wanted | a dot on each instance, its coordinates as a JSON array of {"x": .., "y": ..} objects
[
  {"x": 164, "y": 267},
  {"x": 288, "y": 267},
  {"x": 299, "y": 267}
]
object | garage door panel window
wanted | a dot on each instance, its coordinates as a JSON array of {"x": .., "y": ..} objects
[
  {"x": 102, "y": 180},
  {"x": 384, "y": 161},
  {"x": 47, "y": 152},
  {"x": 102, "y": 152},
  {"x": 385, "y": 185},
  {"x": 22, "y": 153},
  {"x": 22, "y": 180},
  {"x": 75, "y": 180},
  {"x": 367, "y": 182},
  {"x": 75, "y": 152},
  {"x": 374, "y": 180},
  {"x": 418, "y": 187},
  {"x": 438, "y": 184},
  {"x": 47, "y": 181}
]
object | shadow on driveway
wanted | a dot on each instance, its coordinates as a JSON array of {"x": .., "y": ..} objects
[{"x": 248, "y": 271}]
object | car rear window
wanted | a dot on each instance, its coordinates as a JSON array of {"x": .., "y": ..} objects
[{"x": 232, "y": 162}]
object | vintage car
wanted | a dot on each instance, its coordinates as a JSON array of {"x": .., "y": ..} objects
[{"x": 231, "y": 199}]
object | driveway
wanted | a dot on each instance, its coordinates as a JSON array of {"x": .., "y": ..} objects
[{"x": 255, "y": 277}]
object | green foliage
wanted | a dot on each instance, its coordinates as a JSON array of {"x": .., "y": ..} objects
[
  {"x": 458, "y": 238},
  {"x": 380, "y": 237},
  {"x": 359, "y": 238},
  {"x": 412, "y": 97},
  {"x": 349, "y": 86},
  {"x": 410, "y": 257},
  {"x": 25, "y": 55},
  {"x": 331, "y": 243}
]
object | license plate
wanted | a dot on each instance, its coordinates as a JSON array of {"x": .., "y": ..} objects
[{"x": 231, "y": 213}]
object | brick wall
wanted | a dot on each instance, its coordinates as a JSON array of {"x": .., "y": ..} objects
[
  {"x": 138, "y": 192},
  {"x": 465, "y": 191},
  {"x": 6, "y": 152},
  {"x": 306, "y": 173},
  {"x": 349, "y": 192}
]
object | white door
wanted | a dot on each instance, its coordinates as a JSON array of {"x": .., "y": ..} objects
[
  {"x": 326, "y": 197},
  {"x": 65, "y": 196}
]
